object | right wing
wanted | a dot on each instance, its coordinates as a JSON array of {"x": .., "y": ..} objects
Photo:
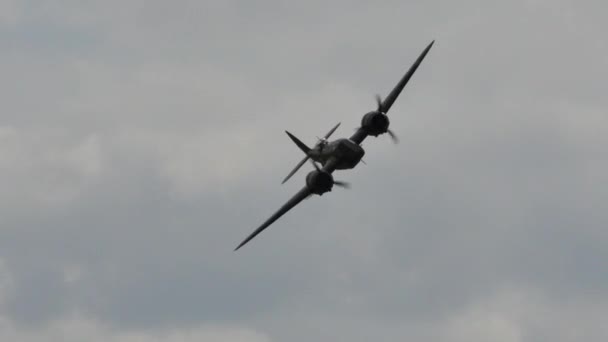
[
  {"x": 385, "y": 105},
  {"x": 297, "y": 198},
  {"x": 392, "y": 96}
]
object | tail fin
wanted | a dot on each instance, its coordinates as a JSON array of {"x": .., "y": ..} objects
[{"x": 304, "y": 149}]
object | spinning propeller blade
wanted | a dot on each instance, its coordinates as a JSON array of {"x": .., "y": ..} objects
[
  {"x": 393, "y": 136},
  {"x": 342, "y": 184}
]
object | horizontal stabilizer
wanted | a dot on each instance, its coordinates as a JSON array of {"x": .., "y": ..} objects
[
  {"x": 295, "y": 169},
  {"x": 300, "y": 144},
  {"x": 306, "y": 150}
]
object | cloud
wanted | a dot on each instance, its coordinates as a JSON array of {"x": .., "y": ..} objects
[
  {"x": 78, "y": 328},
  {"x": 10, "y": 13},
  {"x": 40, "y": 170},
  {"x": 140, "y": 141}
]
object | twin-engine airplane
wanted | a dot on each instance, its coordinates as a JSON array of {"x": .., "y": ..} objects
[{"x": 340, "y": 154}]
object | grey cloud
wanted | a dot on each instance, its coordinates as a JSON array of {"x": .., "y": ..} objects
[{"x": 160, "y": 129}]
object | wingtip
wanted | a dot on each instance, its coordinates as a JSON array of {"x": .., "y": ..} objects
[{"x": 239, "y": 246}]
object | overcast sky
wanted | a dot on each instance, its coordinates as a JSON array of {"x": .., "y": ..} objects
[{"x": 141, "y": 141}]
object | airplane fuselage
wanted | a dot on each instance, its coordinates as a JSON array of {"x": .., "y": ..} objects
[{"x": 346, "y": 153}]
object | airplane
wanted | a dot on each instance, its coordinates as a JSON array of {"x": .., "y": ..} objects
[{"x": 340, "y": 154}]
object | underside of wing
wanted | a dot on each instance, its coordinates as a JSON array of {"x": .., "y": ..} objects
[
  {"x": 384, "y": 106},
  {"x": 297, "y": 198},
  {"x": 392, "y": 96}
]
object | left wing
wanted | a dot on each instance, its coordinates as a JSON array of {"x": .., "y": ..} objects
[{"x": 297, "y": 198}]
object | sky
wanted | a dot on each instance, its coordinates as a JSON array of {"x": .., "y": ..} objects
[{"x": 141, "y": 141}]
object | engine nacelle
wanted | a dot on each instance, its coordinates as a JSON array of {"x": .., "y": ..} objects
[
  {"x": 319, "y": 182},
  {"x": 375, "y": 123}
]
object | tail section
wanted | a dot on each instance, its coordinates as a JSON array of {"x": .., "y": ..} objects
[
  {"x": 295, "y": 169},
  {"x": 304, "y": 149},
  {"x": 300, "y": 144}
]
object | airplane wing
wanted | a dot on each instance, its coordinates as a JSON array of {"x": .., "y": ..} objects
[
  {"x": 385, "y": 105},
  {"x": 392, "y": 96},
  {"x": 297, "y": 198}
]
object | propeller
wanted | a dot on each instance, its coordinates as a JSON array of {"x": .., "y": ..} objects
[
  {"x": 342, "y": 184},
  {"x": 380, "y": 109},
  {"x": 379, "y": 102},
  {"x": 393, "y": 136}
]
